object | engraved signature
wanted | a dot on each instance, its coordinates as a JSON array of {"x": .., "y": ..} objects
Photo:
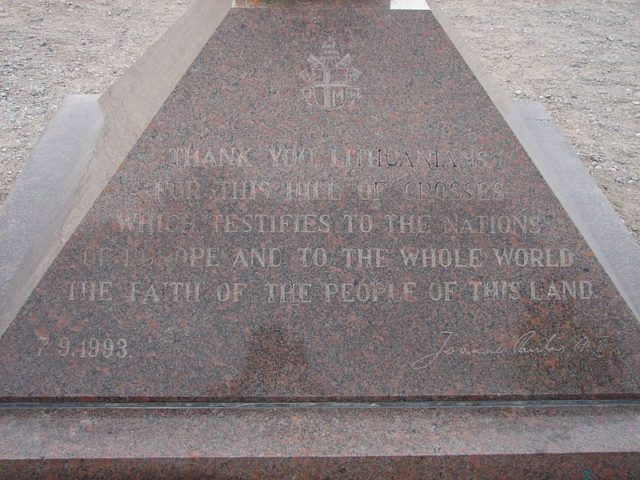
[{"x": 531, "y": 343}]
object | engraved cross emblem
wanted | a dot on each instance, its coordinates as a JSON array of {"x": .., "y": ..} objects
[{"x": 329, "y": 78}]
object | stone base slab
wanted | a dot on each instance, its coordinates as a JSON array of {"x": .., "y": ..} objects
[{"x": 340, "y": 441}]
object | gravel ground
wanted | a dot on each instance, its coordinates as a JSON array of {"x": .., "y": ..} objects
[
  {"x": 581, "y": 59},
  {"x": 49, "y": 49}
]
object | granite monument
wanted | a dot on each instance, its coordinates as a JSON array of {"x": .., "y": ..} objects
[{"x": 328, "y": 255}]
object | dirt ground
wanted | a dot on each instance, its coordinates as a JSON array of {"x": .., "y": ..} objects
[{"x": 581, "y": 59}]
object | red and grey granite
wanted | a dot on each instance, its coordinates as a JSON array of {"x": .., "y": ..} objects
[
  {"x": 381, "y": 443},
  {"x": 327, "y": 212},
  {"x": 328, "y": 207}
]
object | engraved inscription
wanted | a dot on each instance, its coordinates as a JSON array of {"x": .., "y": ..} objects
[
  {"x": 87, "y": 348},
  {"x": 330, "y": 79},
  {"x": 530, "y": 344},
  {"x": 343, "y": 257}
]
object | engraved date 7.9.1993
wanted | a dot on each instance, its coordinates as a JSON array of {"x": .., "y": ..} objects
[{"x": 84, "y": 347}]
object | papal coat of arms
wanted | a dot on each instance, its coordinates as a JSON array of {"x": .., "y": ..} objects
[{"x": 330, "y": 79}]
